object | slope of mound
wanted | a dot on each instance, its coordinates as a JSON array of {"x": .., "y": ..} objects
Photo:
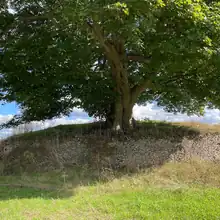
[{"x": 150, "y": 144}]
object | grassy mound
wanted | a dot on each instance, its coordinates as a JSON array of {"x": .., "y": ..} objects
[
  {"x": 44, "y": 149},
  {"x": 148, "y": 127}
]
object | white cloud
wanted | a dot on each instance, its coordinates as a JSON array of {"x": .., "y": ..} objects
[
  {"x": 78, "y": 112},
  {"x": 61, "y": 121},
  {"x": 5, "y": 133},
  {"x": 4, "y": 118},
  {"x": 151, "y": 111},
  {"x": 78, "y": 116}
]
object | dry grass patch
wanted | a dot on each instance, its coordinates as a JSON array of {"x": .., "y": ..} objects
[
  {"x": 190, "y": 172},
  {"x": 202, "y": 127}
]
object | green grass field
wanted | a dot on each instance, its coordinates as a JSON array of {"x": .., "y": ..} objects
[
  {"x": 174, "y": 191},
  {"x": 124, "y": 204}
]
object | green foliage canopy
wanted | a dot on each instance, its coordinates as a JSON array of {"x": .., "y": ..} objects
[{"x": 56, "y": 55}]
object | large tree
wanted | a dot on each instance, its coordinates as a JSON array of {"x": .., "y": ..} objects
[{"x": 105, "y": 56}]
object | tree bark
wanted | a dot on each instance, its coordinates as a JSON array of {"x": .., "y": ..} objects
[
  {"x": 120, "y": 115},
  {"x": 119, "y": 118},
  {"x": 120, "y": 112},
  {"x": 123, "y": 103}
]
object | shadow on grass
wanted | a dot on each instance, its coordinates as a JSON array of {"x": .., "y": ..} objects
[
  {"x": 13, "y": 192},
  {"x": 167, "y": 130},
  {"x": 57, "y": 184},
  {"x": 51, "y": 185}
]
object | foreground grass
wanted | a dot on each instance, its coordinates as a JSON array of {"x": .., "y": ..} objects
[
  {"x": 174, "y": 191},
  {"x": 126, "y": 204}
]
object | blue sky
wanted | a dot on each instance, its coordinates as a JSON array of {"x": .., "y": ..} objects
[
  {"x": 150, "y": 111},
  {"x": 8, "y": 109},
  {"x": 12, "y": 109}
]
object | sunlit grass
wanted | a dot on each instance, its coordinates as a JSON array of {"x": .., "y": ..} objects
[
  {"x": 175, "y": 191},
  {"x": 126, "y": 204}
]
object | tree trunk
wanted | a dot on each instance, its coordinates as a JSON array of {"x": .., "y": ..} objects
[
  {"x": 121, "y": 110},
  {"x": 115, "y": 51},
  {"x": 120, "y": 116}
]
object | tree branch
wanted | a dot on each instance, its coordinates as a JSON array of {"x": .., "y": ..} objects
[
  {"x": 147, "y": 83},
  {"x": 176, "y": 78},
  {"x": 138, "y": 89},
  {"x": 98, "y": 34},
  {"x": 139, "y": 58},
  {"x": 34, "y": 18}
]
